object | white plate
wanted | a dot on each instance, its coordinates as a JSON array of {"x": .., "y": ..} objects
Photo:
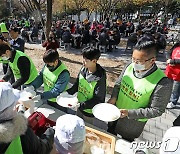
[
  {"x": 106, "y": 112},
  {"x": 46, "y": 111},
  {"x": 68, "y": 101}
]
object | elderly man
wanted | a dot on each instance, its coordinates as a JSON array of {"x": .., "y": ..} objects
[{"x": 15, "y": 135}]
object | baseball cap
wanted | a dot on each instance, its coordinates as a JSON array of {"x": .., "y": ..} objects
[
  {"x": 69, "y": 134},
  {"x": 3, "y": 28},
  {"x": 8, "y": 95},
  {"x": 70, "y": 128}
]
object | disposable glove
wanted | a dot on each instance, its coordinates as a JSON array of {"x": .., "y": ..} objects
[
  {"x": 36, "y": 98},
  {"x": 64, "y": 94},
  {"x": 29, "y": 89}
]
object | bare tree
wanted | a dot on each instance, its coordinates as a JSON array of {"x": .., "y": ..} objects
[
  {"x": 39, "y": 6},
  {"x": 48, "y": 17},
  {"x": 79, "y": 4},
  {"x": 106, "y": 7}
]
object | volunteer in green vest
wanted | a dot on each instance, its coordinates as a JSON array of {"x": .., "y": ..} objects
[
  {"x": 20, "y": 65},
  {"x": 15, "y": 135},
  {"x": 27, "y": 23},
  {"x": 1, "y": 42},
  {"x": 90, "y": 84},
  {"x": 3, "y": 27},
  {"x": 4, "y": 31},
  {"x": 55, "y": 77},
  {"x": 4, "y": 62},
  {"x": 6, "y": 38},
  {"x": 141, "y": 92}
]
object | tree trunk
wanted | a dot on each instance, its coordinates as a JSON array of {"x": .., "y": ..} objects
[
  {"x": 39, "y": 12},
  {"x": 96, "y": 16},
  {"x": 48, "y": 17},
  {"x": 101, "y": 15},
  {"x": 79, "y": 14},
  {"x": 88, "y": 14}
]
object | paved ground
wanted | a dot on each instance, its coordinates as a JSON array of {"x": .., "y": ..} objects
[{"x": 156, "y": 127}]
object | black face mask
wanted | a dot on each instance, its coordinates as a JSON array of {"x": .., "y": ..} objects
[{"x": 50, "y": 67}]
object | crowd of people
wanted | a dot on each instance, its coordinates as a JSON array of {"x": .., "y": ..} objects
[
  {"x": 141, "y": 92},
  {"x": 107, "y": 33}
]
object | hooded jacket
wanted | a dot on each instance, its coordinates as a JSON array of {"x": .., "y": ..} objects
[{"x": 31, "y": 144}]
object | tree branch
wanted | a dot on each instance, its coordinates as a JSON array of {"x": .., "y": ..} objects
[{"x": 27, "y": 10}]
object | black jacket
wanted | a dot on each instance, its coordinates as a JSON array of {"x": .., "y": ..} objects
[
  {"x": 18, "y": 44},
  {"x": 66, "y": 37},
  {"x": 23, "y": 65},
  {"x": 103, "y": 39},
  {"x": 31, "y": 144}
]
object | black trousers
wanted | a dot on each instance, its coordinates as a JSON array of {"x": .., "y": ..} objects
[{"x": 129, "y": 129}]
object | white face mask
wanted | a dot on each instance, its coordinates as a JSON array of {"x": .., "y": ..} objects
[
  {"x": 4, "y": 58},
  {"x": 140, "y": 74},
  {"x": 139, "y": 67}
]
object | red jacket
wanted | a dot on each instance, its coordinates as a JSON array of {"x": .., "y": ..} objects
[
  {"x": 173, "y": 71},
  {"x": 51, "y": 45}
]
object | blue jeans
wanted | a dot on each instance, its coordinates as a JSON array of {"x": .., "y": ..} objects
[{"x": 175, "y": 92}]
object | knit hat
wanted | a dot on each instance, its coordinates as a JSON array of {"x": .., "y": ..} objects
[{"x": 3, "y": 28}]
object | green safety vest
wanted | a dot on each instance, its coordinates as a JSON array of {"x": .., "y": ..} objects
[
  {"x": 27, "y": 24},
  {"x": 15, "y": 69},
  {"x": 3, "y": 28},
  {"x": 85, "y": 91},
  {"x": 15, "y": 147},
  {"x": 135, "y": 93},
  {"x": 50, "y": 78},
  {"x": 20, "y": 22}
]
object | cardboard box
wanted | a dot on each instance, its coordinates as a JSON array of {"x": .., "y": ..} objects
[{"x": 103, "y": 136}]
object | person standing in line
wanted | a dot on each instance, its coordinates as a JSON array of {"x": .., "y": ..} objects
[
  {"x": 173, "y": 72},
  {"x": 17, "y": 43}
]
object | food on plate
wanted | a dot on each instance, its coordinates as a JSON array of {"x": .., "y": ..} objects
[{"x": 67, "y": 100}]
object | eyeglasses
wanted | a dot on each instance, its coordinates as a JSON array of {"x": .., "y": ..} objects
[{"x": 138, "y": 61}]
